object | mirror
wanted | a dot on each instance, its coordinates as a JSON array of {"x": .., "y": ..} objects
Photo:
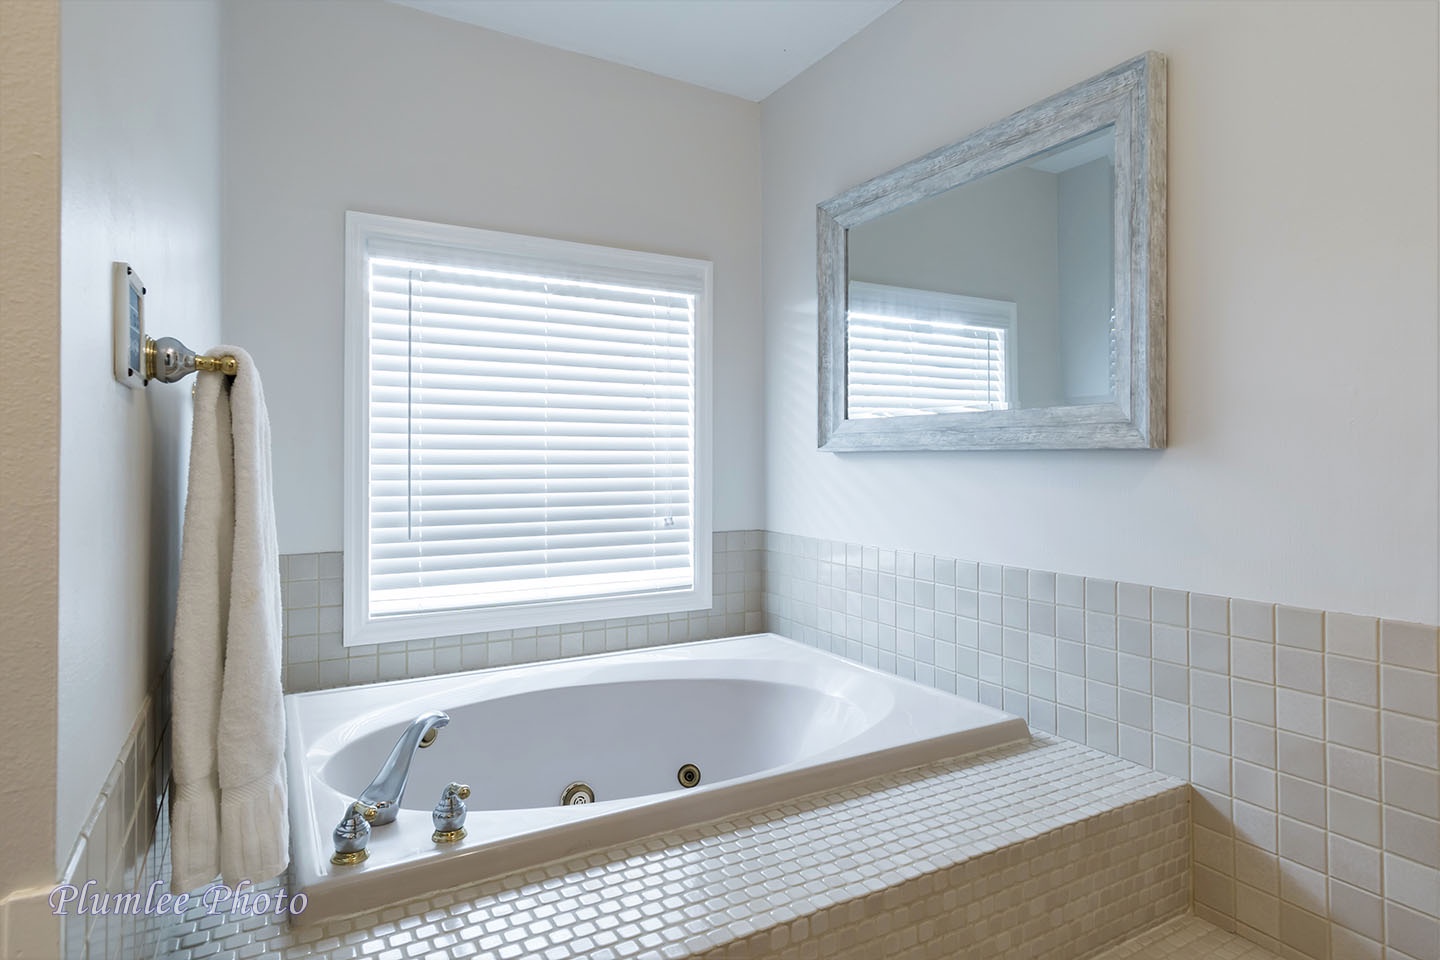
[{"x": 1006, "y": 291}]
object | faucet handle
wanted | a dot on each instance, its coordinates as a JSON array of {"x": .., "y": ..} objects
[
  {"x": 352, "y": 834},
  {"x": 449, "y": 814}
]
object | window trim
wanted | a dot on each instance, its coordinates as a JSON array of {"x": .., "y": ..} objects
[{"x": 359, "y": 629}]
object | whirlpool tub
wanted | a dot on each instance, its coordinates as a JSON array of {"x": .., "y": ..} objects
[{"x": 760, "y": 718}]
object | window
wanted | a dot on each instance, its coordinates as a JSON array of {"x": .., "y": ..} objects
[
  {"x": 526, "y": 431},
  {"x": 915, "y": 352}
]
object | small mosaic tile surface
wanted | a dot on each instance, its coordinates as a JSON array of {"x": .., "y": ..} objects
[
  {"x": 1058, "y": 896},
  {"x": 996, "y": 830},
  {"x": 1187, "y": 938}
]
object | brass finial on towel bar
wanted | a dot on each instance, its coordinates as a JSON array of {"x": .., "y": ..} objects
[{"x": 168, "y": 360}]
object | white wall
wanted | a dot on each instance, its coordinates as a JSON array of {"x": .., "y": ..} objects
[
  {"x": 140, "y": 182},
  {"x": 1302, "y": 467},
  {"x": 374, "y": 107}
]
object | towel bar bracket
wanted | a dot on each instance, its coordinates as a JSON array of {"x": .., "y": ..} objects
[
  {"x": 168, "y": 360},
  {"x": 140, "y": 358}
]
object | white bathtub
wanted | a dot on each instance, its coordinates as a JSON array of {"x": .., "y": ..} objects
[{"x": 764, "y": 718}]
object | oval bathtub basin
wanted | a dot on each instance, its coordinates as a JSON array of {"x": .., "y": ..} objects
[
  {"x": 758, "y": 720},
  {"x": 623, "y": 738}
]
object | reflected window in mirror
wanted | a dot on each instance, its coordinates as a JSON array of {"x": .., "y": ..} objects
[{"x": 913, "y": 352}]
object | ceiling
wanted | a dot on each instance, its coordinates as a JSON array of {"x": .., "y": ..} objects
[{"x": 746, "y": 48}]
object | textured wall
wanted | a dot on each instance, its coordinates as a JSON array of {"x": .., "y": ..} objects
[{"x": 29, "y": 434}]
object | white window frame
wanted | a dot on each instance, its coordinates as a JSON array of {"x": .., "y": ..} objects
[
  {"x": 999, "y": 315},
  {"x": 363, "y": 229}
]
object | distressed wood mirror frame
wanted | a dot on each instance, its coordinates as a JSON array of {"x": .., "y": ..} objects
[{"x": 1131, "y": 98}]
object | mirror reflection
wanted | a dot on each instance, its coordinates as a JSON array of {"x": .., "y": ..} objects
[{"x": 997, "y": 294}]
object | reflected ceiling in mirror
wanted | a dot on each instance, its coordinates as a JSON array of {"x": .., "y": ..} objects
[{"x": 1007, "y": 290}]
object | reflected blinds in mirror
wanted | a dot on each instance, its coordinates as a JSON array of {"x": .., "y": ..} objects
[
  {"x": 531, "y": 434},
  {"x": 916, "y": 352}
]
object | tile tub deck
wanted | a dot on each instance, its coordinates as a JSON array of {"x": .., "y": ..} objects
[{"x": 1038, "y": 849}]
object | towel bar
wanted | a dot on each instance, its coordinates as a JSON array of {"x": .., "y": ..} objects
[{"x": 168, "y": 360}]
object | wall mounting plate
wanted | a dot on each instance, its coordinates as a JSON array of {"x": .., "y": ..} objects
[{"x": 129, "y": 322}]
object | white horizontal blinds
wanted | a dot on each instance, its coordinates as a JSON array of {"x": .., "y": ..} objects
[
  {"x": 914, "y": 352},
  {"x": 531, "y": 434}
]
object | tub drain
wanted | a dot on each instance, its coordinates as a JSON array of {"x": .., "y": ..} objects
[
  {"x": 689, "y": 776},
  {"x": 577, "y": 792}
]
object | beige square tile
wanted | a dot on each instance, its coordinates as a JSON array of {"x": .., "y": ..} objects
[
  {"x": 1302, "y": 843},
  {"x": 1302, "y": 800},
  {"x": 1354, "y": 817},
  {"x": 1302, "y": 885},
  {"x": 1346, "y": 944},
  {"x": 1410, "y": 645},
  {"x": 1355, "y": 863},
  {"x": 1302, "y": 713},
  {"x": 1412, "y": 884},
  {"x": 1412, "y": 788},
  {"x": 1413, "y": 692},
  {"x": 1302, "y": 757},
  {"x": 1411, "y": 739},
  {"x": 1302, "y": 670},
  {"x": 1305, "y": 931},
  {"x": 1355, "y": 681},
  {"x": 1214, "y": 890},
  {"x": 1353, "y": 726},
  {"x": 1351, "y": 636},
  {"x": 1354, "y": 771},
  {"x": 1412, "y": 836},
  {"x": 1253, "y": 620},
  {"x": 1414, "y": 933},
  {"x": 1257, "y": 868},
  {"x": 1208, "y": 613},
  {"x": 1258, "y": 910},
  {"x": 1170, "y": 606},
  {"x": 1296, "y": 627},
  {"x": 1253, "y": 701},
  {"x": 1357, "y": 910}
]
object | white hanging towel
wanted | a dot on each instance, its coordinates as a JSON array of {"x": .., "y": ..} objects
[{"x": 229, "y": 809}]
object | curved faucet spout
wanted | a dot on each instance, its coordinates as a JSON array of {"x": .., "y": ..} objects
[{"x": 388, "y": 787}]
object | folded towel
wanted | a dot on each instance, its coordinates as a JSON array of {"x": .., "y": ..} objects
[{"x": 229, "y": 810}]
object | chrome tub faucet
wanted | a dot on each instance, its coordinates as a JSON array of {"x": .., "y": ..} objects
[{"x": 386, "y": 790}]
